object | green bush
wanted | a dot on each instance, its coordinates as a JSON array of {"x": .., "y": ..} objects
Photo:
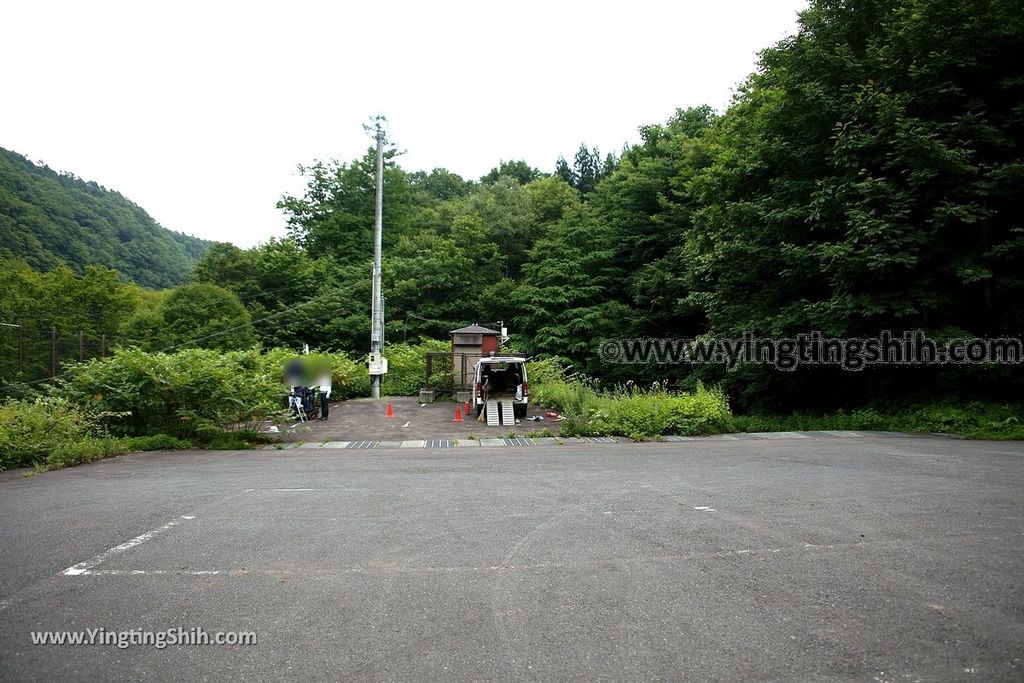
[
  {"x": 645, "y": 413},
  {"x": 170, "y": 392},
  {"x": 209, "y": 394},
  {"x": 97, "y": 448},
  {"x": 86, "y": 450},
  {"x": 157, "y": 442},
  {"x": 975, "y": 420},
  {"x": 545, "y": 371},
  {"x": 52, "y": 432},
  {"x": 634, "y": 412},
  {"x": 31, "y": 430},
  {"x": 407, "y": 367},
  {"x": 185, "y": 392},
  {"x": 350, "y": 379}
]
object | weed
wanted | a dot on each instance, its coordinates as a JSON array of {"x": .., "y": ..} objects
[
  {"x": 974, "y": 420},
  {"x": 635, "y": 412}
]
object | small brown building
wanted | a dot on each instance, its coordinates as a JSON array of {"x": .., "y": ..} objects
[{"x": 470, "y": 344}]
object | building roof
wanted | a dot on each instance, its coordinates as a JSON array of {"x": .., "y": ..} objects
[{"x": 474, "y": 329}]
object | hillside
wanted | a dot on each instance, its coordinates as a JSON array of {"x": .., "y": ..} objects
[{"x": 48, "y": 218}]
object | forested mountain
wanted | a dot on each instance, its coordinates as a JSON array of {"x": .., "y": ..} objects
[{"x": 49, "y": 218}]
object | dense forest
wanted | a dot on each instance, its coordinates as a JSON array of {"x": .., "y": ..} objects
[
  {"x": 49, "y": 218},
  {"x": 866, "y": 177}
]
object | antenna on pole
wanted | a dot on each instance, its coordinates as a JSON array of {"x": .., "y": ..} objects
[{"x": 378, "y": 365}]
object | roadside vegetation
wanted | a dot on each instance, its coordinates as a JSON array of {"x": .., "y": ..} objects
[
  {"x": 636, "y": 412},
  {"x": 651, "y": 412},
  {"x": 50, "y": 433},
  {"x": 975, "y": 420},
  {"x": 627, "y": 410},
  {"x": 138, "y": 400},
  {"x": 866, "y": 177}
]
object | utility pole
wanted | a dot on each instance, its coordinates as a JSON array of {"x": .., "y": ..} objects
[{"x": 378, "y": 366}]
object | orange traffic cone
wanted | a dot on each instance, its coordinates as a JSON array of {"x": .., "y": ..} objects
[
  {"x": 458, "y": 415},
  {"x": 465, "y": 411},
  {"x": 391, "y": 412}
]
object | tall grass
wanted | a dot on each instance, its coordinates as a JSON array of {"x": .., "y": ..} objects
[
  {"x": 974, "y": 420},
  {"x": 635, "y": 412}
]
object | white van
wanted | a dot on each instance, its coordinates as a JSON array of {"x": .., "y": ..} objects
[{"x": 501, "y": 378}]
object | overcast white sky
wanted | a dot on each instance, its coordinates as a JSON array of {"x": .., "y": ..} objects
[{"x": 200, "y": 111}]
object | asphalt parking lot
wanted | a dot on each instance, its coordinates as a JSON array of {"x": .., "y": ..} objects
[{"x": 867, "y": 559}]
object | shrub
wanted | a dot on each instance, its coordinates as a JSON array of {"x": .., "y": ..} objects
[
  {"x": 31, "y": 430},
  {"x": 975, "y": 420},
  {"x": 157, "y": 442},
  {"x": 97, "y": 448},
  {"x": 206, "y": 393},
  {"x": 634, "y": 412},
  {"x": 86, "y": 450},
  {"x": 349, "y": 378},
  {"x": 407, "y": 367},
  {"x": 166, "y": 392},
  {"x": 545, "y": 371}
]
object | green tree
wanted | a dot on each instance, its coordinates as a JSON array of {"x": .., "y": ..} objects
[
  {"x": 520, "y": 171},
  {"x": 587, "y": 169},
  {"x": 564, "y": 171},
  {"x": 551, "y": 198},
  {"x": 225, "y": 265},
  {"x": 207, "y": 316},
  {"x": 503, "y": 209},
  {"x": 439, "y": 185},
  {"x": 861, "y": 181},
  {"x": 859, "y": 178},
  {"x": 571, "y": 295},
  {"x": 335, "y": 215},
  {"x": 59, "y": 311}
]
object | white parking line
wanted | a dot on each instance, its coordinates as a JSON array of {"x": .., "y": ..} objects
[
  {"x": 163, "y": 572},
  {"x": 85, "y": 567}
]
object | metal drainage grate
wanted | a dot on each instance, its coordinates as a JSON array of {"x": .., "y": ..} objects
[
  {"x": 439, "y": 443},
  {"x": 361, "y": 444},
  {"x": 519, "y": 441}
]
